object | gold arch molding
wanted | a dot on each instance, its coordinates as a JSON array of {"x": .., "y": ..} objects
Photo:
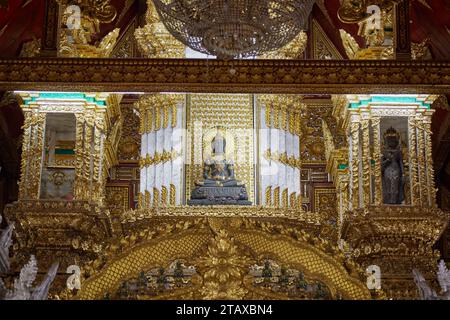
[{"x": 223, "y": 250}]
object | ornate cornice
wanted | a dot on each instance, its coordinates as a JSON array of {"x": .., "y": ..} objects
[{"x": 243, "y": 76}]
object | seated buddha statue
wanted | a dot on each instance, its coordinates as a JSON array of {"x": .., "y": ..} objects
[
  {"x": 219, "y": 184},
  {"x": 217, "y": 170}
]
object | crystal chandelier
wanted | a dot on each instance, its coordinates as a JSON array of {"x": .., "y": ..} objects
[{"x": 234, "y": 28}]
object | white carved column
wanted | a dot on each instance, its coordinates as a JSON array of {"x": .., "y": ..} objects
[
  {"x": 177, "y": 154},
  {"x": 264, "y": 144}
]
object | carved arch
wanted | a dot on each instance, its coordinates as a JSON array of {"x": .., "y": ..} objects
[{"x": 223, "y": 246}]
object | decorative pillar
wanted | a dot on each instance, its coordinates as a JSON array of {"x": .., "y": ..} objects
[
  {"x": 429, "y": 159},
  {"x": 355, "y": 161},
  {"x": 32, "y": 150},
  {"x": 376, "y": 156},
  {"x": 161, "y": 150},
  {"x": 79, "y": 185},
  {"x": 63, "y": 174},
  {"x": 279, "y": 149},
  {"x": 421, "y": 161},
  {"x": 414, "y": 172},
  {"x": 396, "y": 237},
  {"x": 366, "y": 160}
]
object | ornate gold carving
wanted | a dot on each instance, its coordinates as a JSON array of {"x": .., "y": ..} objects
[
  {"x": 293, "y": 50},
  {"x": 32, "y": 152},
  {"x": 376, "y": 156},
  {"x": 396, "y": 238},
  {"x": 421, "y": 162},
  {"x": 156, "y": 199},
  {"x": 276, "y": 197},
  {"x": 293, "y": 200},
  {"x": 46, "y": 224},
  {"x": 354, "y": 131},
  {"x": 154, "y": 40},
  {"x": 174, "y": 115},
  {"x": 173, "y": 191},
  {"x": 276, "y": 116},
  {"x": 157, "y": 117},
  {"x": 312, "y": 144},
  {"x": 325, "y": 204},
  {"x": 269, "y": 196},
  {"x": 165, "y": 121},
  {"x": 415, "y": 182},
  {"x": 101, "y": 10},
  {"x": 353, "y": 12},
  {"x": 147, "y": 202},
  {"x": 135, "y": 217},
  {"x": 159, "y": 75},
  {"x": 224, "y": 268},
  {"x": 158, "y": 158},
  {"x": 291, "y": 161},
  {"x": 141, "y": 200},
  {"x": 148, "y": 112},
  {"x": 322, "y": 47},
  {"x": 429, "y": 161},
  {"x": 130, "y": 139},
  {"x": 223, "y": 250},
  {"x": 142, "y": 119},
  {"x": 126, "y": 46},
  {"x": 350, "y": 45},
  {"x": 284, "y": 198},
  {"x": 268, "y": 115},
  {"x": 31, "y": 48},
  {"x": 117, "y": 198},
  {"x": 164, "y": 196},
  {"x": 283, "y": 118},
  {"x": 76, "y": 42},
  {"x": 366, "y": 162}
]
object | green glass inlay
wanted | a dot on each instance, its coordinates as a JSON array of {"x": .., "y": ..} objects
[{"x": 342, "y": 166}]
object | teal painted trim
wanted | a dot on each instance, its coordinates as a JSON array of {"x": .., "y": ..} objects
[
  {"x": 389, "y": 99},
  {"x": 66, "y": 96}
]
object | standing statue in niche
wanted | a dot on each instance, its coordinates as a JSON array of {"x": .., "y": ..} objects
[
  {"x": 219, "y": 185},
  {"x": 392, "y": 168}
]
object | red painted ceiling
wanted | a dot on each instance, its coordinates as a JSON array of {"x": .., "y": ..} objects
[{"x": 22, "y": 20}]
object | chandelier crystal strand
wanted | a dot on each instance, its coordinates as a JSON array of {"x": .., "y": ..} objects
[{"x": 234, "y": 28}]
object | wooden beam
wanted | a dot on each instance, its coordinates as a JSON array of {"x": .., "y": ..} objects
[{"x": 240, "y": 76}]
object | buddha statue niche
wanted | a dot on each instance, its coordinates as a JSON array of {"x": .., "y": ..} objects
[
  {"x": 219, "y": 185},
  {"x": 392, "y": 168}
]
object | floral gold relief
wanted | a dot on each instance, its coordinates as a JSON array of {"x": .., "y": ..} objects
[{"x": 222, "y": 252}]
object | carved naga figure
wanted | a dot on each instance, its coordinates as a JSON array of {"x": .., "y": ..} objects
[
  {"x": 443, "y": 277},
  {"x": 23, "y": 289},
  {"x": 23, "y": 286}
]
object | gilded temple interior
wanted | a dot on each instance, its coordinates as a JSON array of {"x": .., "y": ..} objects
[{"x": 222, "y": 189}]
